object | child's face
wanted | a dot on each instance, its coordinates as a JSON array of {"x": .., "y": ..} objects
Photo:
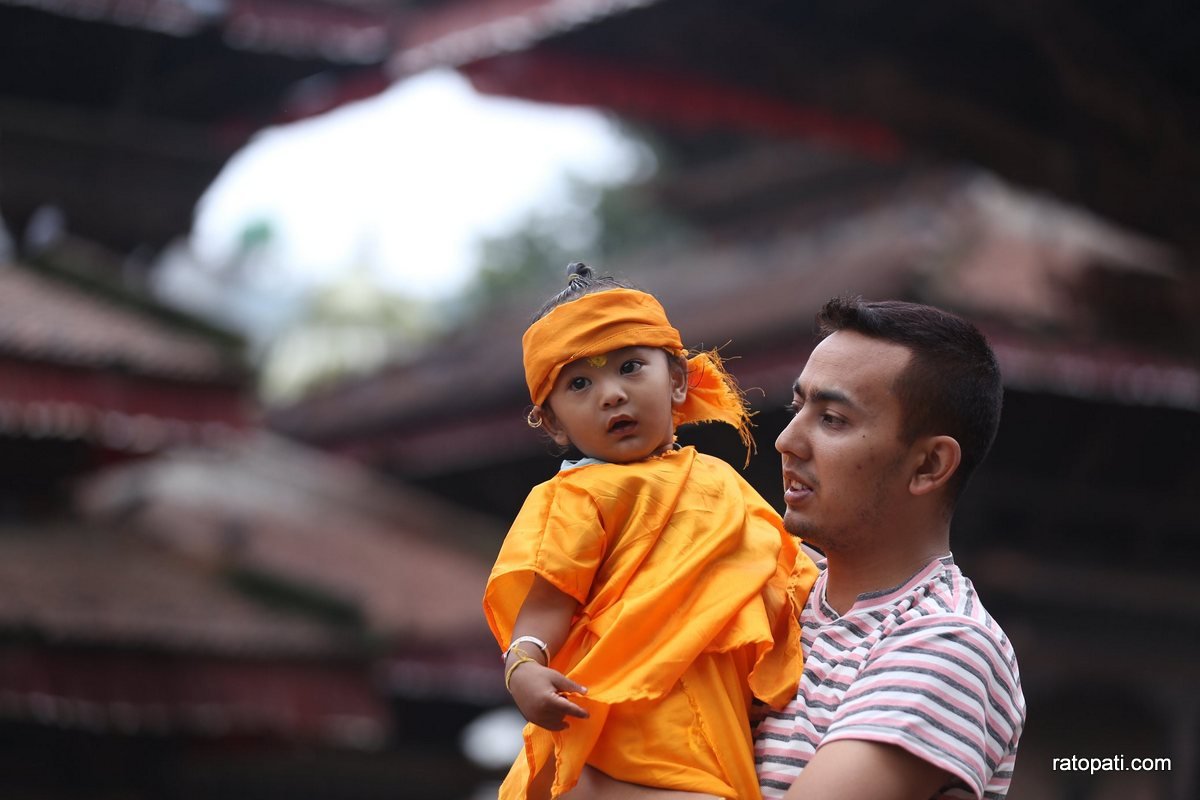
[{"x": 616, "y": 407}]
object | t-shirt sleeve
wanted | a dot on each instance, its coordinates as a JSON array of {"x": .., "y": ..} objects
[
  {"x": 557, "y": 535},
  {"x": 943, "y": 690}
]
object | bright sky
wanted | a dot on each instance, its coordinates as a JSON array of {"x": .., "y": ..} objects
[{"x": 406, "y": 182}]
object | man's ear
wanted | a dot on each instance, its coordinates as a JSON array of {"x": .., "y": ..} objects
[
  {"x": 550, "y": 424},
  {"x": 939, "y": 457}
]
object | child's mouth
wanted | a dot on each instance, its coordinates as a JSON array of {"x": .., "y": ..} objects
[{"x": 622, "y": 426}]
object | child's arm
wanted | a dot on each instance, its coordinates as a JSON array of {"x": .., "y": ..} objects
[{"x": 545, "y": 614}]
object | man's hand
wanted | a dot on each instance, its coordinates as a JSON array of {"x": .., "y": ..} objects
[{"x": 536, "y": 690}]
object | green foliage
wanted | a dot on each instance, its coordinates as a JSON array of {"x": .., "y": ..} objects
[
  {"x": 603, "y": 225},
  {"x": 350, "y": 327},
  {"x": 514, "y": 265}
]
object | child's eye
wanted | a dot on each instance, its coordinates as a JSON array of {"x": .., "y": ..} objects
[
  {"x": 633, "y": 365},
  {"x": 578, "y": 384}
]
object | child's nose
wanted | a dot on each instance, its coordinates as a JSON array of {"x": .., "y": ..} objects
[{"x": 613, "y": 394}]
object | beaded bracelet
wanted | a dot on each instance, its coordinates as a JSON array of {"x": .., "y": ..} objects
[{"x": 522, "y": 658}]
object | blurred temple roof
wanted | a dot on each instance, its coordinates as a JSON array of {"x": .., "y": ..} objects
[
  {"x": 121, "y": 112},
  {"x": 78, "y": 364},
  {"x": 88, "y": 584},
  {"x": 246, "y": 587},
  {"x": 1097, "y": 103},
  {"x": 106, "y": 631},
  {"x": 408, "y": 567},
  {"x": 43, "y": 319},
  {"x": 404, "y": 569}
]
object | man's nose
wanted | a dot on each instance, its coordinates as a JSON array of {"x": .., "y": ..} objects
[{"x": 792, "y": 439}]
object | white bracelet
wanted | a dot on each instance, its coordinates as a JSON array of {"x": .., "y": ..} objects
[{"x": 533, "y": 640}]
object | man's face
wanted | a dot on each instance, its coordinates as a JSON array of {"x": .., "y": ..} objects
[
  {"x": 616, "y": 407},
  {"x": 845, "y": 467}
]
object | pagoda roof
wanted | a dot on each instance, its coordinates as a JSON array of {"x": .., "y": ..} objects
[
  {"x": 85, "y": 362},
  {"x": 377, "y": 551},
  {"x": 247, "y": 587},
  {"x": 1098, "y": 104},
  {"x": 50, "y": 320},
  {"x": 107, "y": 631},
  {"x": 122, "y": 112},
  {"x": 85, "y": 584}
]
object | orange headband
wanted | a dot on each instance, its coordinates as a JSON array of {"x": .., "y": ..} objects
[{"x": 601, "y": 322}]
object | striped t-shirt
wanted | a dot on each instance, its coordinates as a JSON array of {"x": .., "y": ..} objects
[{"x": 922, "y": 666}]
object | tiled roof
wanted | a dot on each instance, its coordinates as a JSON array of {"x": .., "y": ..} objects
[
  {"x": 413, "y": 566},
  {"x": 355, "y": 32},
  {"x": 449, "y": 33},
  {"x": 107, "y": 631},
  {"x": 43, "y": 319},
  {"x": 77, "y": 584},
  {"x": 75, "y": 365},
  {"x": 158, "y": 565},
  {"x": 330, "y": 702}
]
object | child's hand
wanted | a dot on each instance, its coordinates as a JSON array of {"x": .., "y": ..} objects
[{"x": 536, "y": 690}]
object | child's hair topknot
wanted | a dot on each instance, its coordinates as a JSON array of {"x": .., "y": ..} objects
[{"x": 581, "y": 280}]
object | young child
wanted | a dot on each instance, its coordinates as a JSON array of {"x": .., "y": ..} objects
[{"x": 650, "y": 574}]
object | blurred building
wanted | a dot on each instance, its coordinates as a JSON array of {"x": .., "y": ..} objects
[
  {"x": 368, "y": 559},
  {"x": 190, "y": 605},
  {"x": 1097, "y": 104},
  {"x": 191, "y": 609},
  {"x": 120, "y": 113},
  {"x": 243, "y": 618}
]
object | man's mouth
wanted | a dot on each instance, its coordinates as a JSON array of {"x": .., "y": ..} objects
[{"x": 795, "y": 489}]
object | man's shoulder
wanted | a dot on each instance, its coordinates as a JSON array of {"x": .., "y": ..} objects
[
  {"x": 951, "y": 600},
  {"x": 950, "y": 631},
  {"x": 936, "y": 608},
  {"x": 947, "y": 600}
]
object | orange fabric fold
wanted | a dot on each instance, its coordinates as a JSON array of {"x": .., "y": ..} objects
[
  {"x": 601, "y": 322},
  {"x": 689, "y": 591}
]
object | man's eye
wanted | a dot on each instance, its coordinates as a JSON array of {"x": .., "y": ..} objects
[
  {"x": 831, "y": 419},
  {"x": 630, "y": 366},
  {"x": 793, "y": 408}
]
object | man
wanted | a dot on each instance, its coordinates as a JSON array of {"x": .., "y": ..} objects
[{"x": 910, "y": 690}]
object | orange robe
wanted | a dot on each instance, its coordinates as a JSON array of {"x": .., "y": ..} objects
[{"x": 689, "y": 591}]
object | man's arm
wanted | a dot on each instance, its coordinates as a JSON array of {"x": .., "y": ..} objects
[
  {"x": 856, "y": 768},
  {"x": 846, "y": 768}
]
